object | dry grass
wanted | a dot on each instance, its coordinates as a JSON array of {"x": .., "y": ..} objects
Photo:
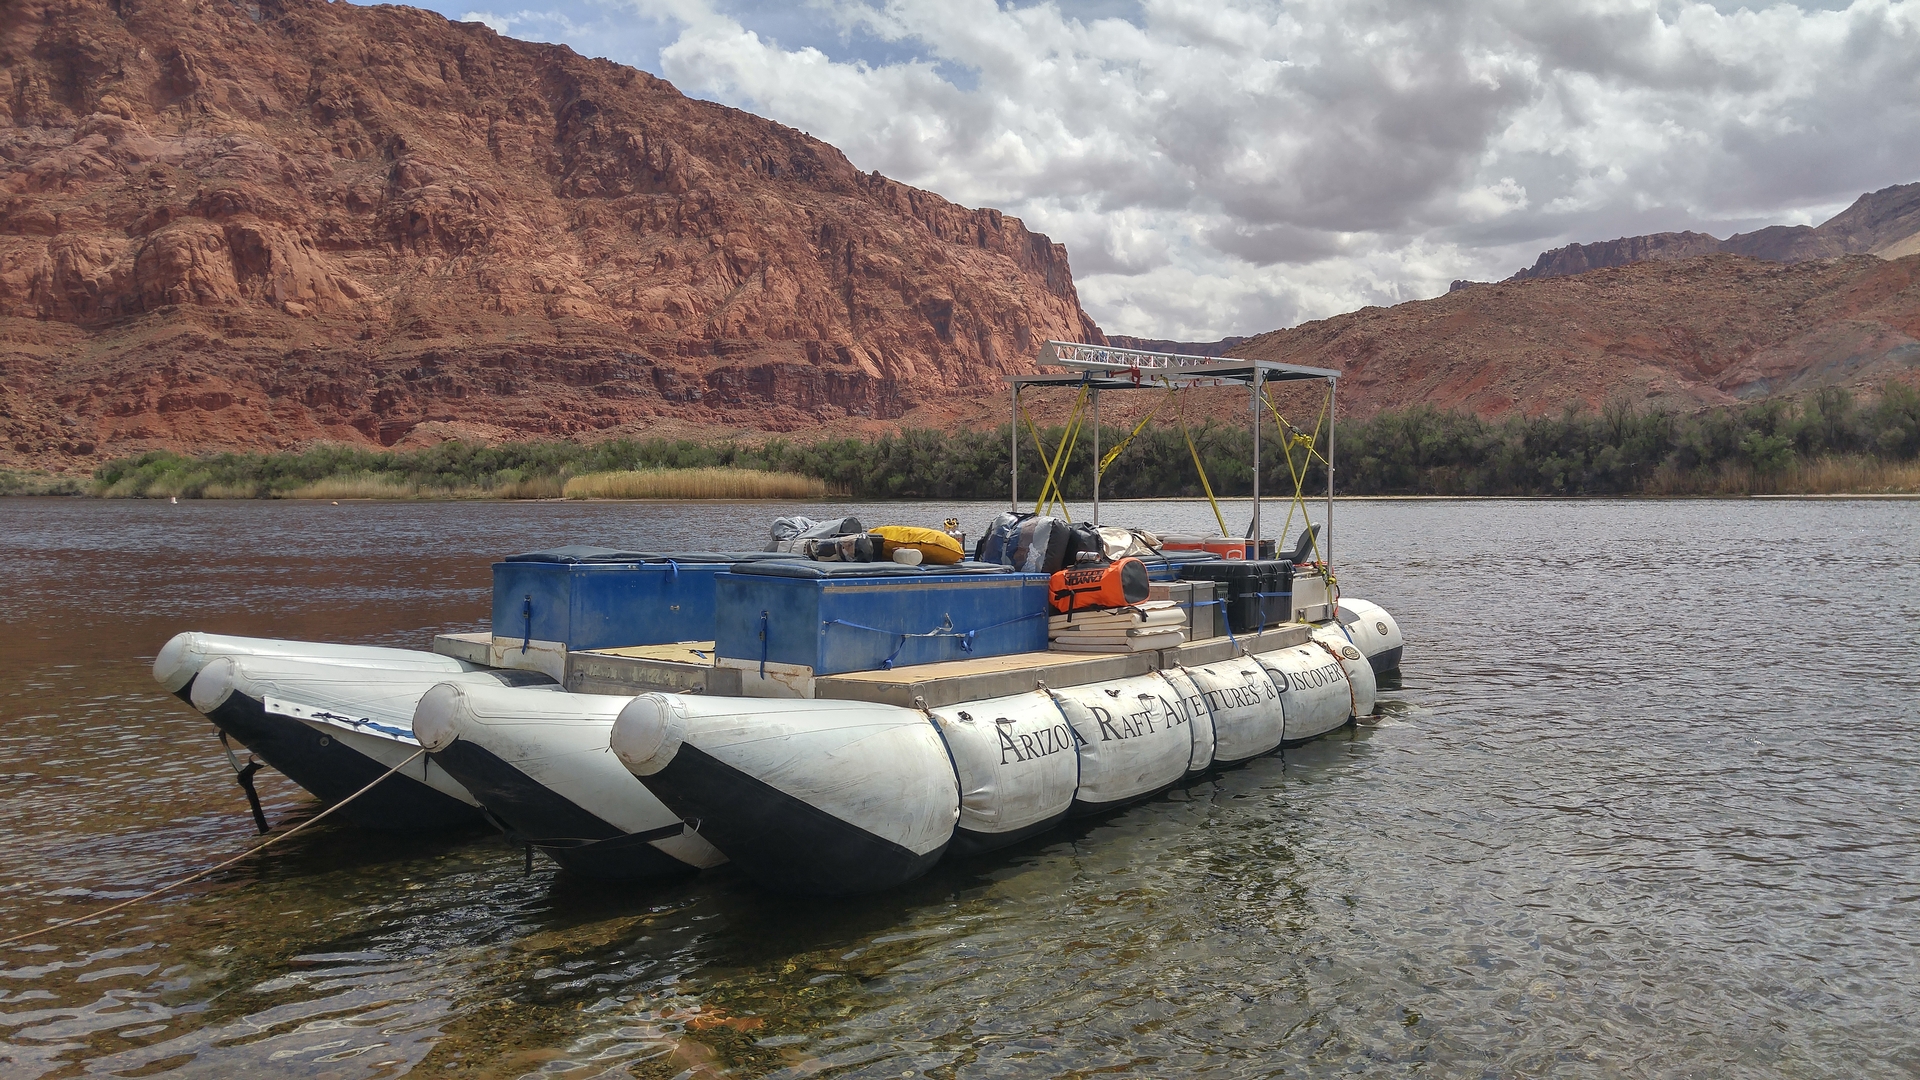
[
  {"x": 538, "y": 487},
  {"x": 1852, "y": 476},
  {"x": 374, "y": 486},
  {"x": 359, "y": 486},
  {"x": 1822, "y": 476},
  {"x": 230, "y": 491},
  {"x": 695, "y": 484}
]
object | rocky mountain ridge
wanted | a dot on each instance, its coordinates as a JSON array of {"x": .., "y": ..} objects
[
  {"x": 241, "y": 225},
  {"x": 1884, "y": 223}
]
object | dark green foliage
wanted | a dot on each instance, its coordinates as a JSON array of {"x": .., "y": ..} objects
[{"x": 1417, "y": 451}]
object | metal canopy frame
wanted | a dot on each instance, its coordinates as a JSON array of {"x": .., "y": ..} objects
[{"x": 1104, "y": 367}]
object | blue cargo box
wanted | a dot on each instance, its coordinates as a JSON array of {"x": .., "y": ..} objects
[
  {"x": 834, "y": 624},
  {"x": 602, "y": 605}
]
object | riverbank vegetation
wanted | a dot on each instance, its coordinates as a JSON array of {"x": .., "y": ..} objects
[
  {"x": 31, "y": 483},
  {"x": 1825, "y": 444}
]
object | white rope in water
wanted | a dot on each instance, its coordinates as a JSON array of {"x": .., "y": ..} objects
[{"x": 191, "y": 878}]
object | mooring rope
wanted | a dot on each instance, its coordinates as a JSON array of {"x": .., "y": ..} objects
[
  {"x": 1353, "y": 697},
  {"x": 191, "y": 878}
]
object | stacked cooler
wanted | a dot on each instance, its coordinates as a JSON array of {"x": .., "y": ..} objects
[{"x": 1258, "y": 592}]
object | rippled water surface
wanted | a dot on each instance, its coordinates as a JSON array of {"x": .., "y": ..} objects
[{"x": 1646, "y": 804}]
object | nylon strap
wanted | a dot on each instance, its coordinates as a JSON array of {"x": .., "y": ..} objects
[
  {"x": 1199, "y": 468},
  {"x": 1137, "y": 429}
]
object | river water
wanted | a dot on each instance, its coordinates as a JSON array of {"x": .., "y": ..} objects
[{"x": 1645, "y": 804}]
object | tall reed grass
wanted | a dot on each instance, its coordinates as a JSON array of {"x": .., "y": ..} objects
[
  {"x": 357, "y": 486},
  {"x": 1820, "y": 476},
  {"x": 534, "y": 487},
  {"x": 695, "y": 484}
]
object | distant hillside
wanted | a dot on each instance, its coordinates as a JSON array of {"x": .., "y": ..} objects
[
  {"x": 1702, "y": 331},
  {"x": 1884, "y": 223},
  {"x": 1185, "y": 348}
]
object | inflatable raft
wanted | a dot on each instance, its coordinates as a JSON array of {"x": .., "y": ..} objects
[{"x": 813, "y": 796}]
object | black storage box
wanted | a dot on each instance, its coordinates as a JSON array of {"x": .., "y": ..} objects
[{"x": 1258, "y": 592}]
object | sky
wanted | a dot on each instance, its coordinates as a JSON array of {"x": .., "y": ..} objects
[{"x": 1222, "y": 167}]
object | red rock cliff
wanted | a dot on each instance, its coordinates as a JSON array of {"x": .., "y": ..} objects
[{"x": 255, "y": 225}]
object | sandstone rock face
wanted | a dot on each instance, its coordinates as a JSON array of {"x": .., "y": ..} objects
[
  {"x": 1884, "y": 223},
  {"x": 1705, "y": 331},
  {"x": 253, "y": 225},
  {"x": 1580, "y": 258}
]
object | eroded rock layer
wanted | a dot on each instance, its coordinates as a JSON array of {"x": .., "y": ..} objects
[
  {"x": 254, "y": 225},
  {"x": 1884, "y": 223}
]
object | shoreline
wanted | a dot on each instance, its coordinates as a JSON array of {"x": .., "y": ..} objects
[{"x": 1234, "y": 500}]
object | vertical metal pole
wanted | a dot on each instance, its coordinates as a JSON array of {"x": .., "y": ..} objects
[
  {"x": 1255, "y": 537},
  {"x": 1013, "y": 452},
  {"x": 1333, "y": 390},
  {"x": 1096, "y": 457}
]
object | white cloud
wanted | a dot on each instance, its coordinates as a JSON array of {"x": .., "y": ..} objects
[{"x": 1226, "y": 166}]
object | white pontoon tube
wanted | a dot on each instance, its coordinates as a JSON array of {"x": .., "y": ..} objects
[
  {"x": 334, "y": 728},
  {"x": 540, "y": 765},
  {"x": 827, "y": 797},
  {"x": 1373, "y": 631},
  {"x": 182, "y": 657}
]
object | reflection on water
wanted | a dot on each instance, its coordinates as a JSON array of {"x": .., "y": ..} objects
[{"x": 1643, "y": 806}]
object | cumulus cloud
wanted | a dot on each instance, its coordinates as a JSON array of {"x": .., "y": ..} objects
[{"x": 1228, "y": 166}]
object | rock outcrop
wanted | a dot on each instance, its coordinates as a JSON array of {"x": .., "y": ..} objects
[
  {"x": 1580, "y": 258},
  {"x": 260, "y": 224},
  {"x": 1884, "y": 223}
]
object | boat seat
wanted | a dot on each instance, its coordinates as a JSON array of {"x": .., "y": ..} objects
[{"x": 1303, "y": 551}]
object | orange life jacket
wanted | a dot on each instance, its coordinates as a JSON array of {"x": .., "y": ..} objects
[{"x": 1099, "y": 585}]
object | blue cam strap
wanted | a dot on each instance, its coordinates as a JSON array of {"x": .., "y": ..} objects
[
  {"x": 945, "y": 629},
  {"x": 1227, "y": 624}
]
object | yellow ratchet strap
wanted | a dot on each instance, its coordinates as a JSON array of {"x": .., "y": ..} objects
[
  {"x": 1298, "y": 474},
  {"x": 1049, "y": 490},
  {"x": 1199, "y": 468},
  {"x": 1137, "y": 429}
]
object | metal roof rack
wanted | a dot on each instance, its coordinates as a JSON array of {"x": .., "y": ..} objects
[{"x": 1106, "y": 367}]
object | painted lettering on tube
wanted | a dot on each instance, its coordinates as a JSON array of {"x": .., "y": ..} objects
[{"x": 1028, "y": 745}]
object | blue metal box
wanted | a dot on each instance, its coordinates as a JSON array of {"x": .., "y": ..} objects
[
  {"x": 838, "y": 623},
  {"x": 597, "y": 605}
]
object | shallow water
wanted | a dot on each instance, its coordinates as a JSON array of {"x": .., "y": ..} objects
[{"x": 1645, "y": 805}]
